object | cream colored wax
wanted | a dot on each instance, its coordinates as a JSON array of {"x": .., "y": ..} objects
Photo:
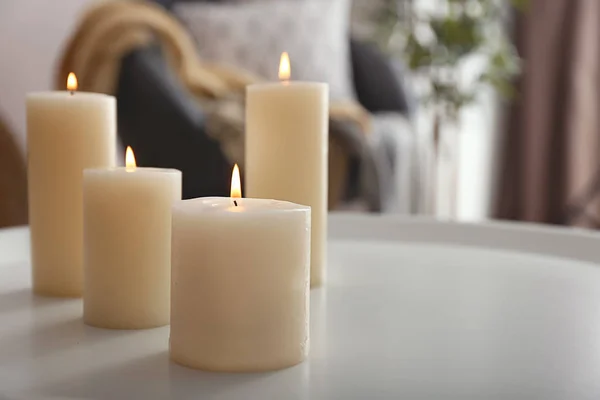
[
  {"x": 286, "y": 153},
  {"x": 127, "y": 246},
  {"x": 240, "y": 284},
  {"x": 66, "y": 133}
]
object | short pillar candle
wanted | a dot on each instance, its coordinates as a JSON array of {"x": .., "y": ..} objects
[
  {"x": 240, "y": 284},
  {"x": 127, "y": 245}
]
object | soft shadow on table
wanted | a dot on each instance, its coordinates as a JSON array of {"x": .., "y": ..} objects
[
  {"x": 156, "y": 377},
  {"x": 23, "y": 298},
  {"x": 49, "y": 338},
  {"x": 40, "y": 341},
  {"x": 142, "y": 378}
]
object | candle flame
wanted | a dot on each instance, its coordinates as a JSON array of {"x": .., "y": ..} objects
[
  {"x": 129, "y": 159},
  {"x": 285, "y": 69},
  {"x": 72, "y": 82},
  {"x": 236, "y": 185}
]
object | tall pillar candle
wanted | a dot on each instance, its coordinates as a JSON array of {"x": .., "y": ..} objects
[
  {"x": 127, "y": 245},
  {"x": 286, "y": 152},
  {"x": 240, "y": 284},
  {"x": 66, "y": 133}
]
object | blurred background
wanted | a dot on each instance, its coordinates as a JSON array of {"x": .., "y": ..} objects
[{"x": 467, "y": 110}]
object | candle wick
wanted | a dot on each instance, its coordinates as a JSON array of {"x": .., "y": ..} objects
[
  {"x": 235, "y": 202},
  {"x": 72, "y": 92}
]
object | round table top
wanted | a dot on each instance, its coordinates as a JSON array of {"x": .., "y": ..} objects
[{"x": 412, "y": 309}]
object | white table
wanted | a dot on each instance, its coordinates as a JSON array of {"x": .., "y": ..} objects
[{"x": 413, "y": 310}]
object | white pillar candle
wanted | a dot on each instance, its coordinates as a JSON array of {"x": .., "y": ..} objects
[
  {"x": 240, "y": 284},
  {"x": 127, "y": 245},
  {"x": 66, "y": 132},
  {"x": 286, "y": 152}
]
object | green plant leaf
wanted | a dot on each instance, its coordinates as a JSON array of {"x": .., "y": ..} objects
[
  {"x": 502, "y": 85},
  {"x": 459, "y": 36},
  {"x": 419, "y": 56},
  {"x": 520, "y": 5},
  {"x": 505, "y": 62},
  {"x": 450, "y": 96}
]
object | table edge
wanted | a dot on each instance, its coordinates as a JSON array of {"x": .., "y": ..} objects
[
  {"x": 565, "y": 242},
  {"x": 572, "y": 243}
]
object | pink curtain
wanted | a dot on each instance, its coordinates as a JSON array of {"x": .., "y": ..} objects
[{"x": 552, "y": 141}]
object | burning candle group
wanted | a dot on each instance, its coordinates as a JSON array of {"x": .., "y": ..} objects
[{"x": 231, "y": 275}]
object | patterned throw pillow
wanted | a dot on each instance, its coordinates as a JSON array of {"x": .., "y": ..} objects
[{"x": 253, "y": 34}]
